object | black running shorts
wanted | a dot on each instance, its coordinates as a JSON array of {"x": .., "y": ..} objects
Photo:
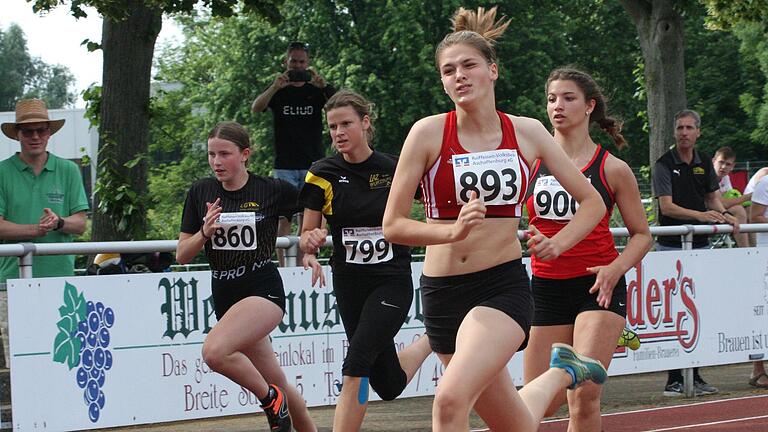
[
  {"x": 258, "y": 279},
  {"x": 559, "y": 301},
  {"x": 448, "y": 299}
]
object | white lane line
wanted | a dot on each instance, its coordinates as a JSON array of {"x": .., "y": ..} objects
[
  {"x": 653, "y": 409},
  {"x": 709, "y": 424}
]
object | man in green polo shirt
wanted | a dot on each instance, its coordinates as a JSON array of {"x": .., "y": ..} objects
[{"x": 42, "y": 199}]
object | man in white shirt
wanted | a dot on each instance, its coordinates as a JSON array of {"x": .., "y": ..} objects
[
  {"x": 759, "y": 214},
  {"x": 759, "y": 211},
  {"x": 762, "y": 172}
]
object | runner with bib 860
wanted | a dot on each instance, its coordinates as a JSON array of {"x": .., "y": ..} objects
[
  {"x": 580, "y": 297},
  {"x": 473, "y": 164},
  {"x": 371, "y": 277},
  {"x": 234, "y": 217}
]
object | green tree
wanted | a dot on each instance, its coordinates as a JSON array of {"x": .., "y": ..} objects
[
  {"x": 748, "y": 21},
  {"x": 660, "y": 30},
  {"x": 754, "y": 100},
  {"x": 128, "y": 39},
  {"x": 24, "y": 76},
  {"x": 717, "y": 76},
  {"x": 724, "y": 14},
  {"x": 386, "y": 52}
]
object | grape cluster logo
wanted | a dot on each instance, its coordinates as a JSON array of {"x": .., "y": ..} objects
[{"x": 82, "y": 343}]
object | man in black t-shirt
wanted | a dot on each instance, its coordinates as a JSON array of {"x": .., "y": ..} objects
[
  {"x": 296, "y": 98},
  {"x": 685, "y": 183}
]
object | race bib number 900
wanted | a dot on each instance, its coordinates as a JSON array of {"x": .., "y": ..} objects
[
  {"x": 493, "y": 175},
  {"x": 237, "y": 231},
  {"x": 366, "y": 245},
  {"x": 551, "y": 201}
]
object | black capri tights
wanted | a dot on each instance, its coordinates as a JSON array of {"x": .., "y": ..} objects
[{"x": 373, "y": 308}]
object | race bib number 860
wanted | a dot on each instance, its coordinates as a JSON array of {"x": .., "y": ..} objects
[
  {"x": 493, "y": 175},
  {"x": 237, "y": 231},
  {"x": 366, "y": 245}
]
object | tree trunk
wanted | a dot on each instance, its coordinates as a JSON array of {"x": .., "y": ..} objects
[
  {"x": 128, "y": 46},
  {"x": 660, "y": 30}
]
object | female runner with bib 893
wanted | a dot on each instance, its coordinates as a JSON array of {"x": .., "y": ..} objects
[
  {"x": 371, "y": 277},
  {"x": 581, "y": 296},
  {"x": 473, "y": 165},
  {"x": 234, "y": 217}
]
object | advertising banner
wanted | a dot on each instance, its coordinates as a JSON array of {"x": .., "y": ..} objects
[{"x": 93, "y": 352}]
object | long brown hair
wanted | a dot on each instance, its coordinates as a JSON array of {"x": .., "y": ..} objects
[{"x": 591, "y": 90}]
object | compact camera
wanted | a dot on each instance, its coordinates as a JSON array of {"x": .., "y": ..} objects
[{"x": 299, "y": 75}]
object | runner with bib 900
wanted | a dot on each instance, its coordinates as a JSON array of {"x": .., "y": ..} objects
[
  {"x": 581, "y": 296},
  {"x": 371, "y": 277},
  {"x": 234, "y": 218},
  {"x": 474, "y": 165}
]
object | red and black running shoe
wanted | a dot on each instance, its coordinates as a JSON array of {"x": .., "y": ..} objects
[{"x": 277, "y": 412}]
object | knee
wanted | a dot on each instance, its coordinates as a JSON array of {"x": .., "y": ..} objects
[
  {"x": 389, "y": 384},
  {"x": 449, "y": 405},
  {"x": 214, "y": 355},
  {"x": 388, "y": 390},
  {"x": 739, "y": 213},
  {"x": 585, "y": 402}
]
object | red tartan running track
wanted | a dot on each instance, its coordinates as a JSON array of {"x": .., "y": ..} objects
[{"x": 747, "y": 414}]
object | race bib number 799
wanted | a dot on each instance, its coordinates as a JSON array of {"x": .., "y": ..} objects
[
  {"x": 237, "y": 231},
  {"x": 493, "y": 175},
  {"x": 366, "y": 245}
]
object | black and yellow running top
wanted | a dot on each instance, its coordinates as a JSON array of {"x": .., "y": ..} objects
[{"x": 352, "y": 197}]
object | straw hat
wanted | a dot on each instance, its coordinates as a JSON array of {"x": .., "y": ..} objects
[{"x": 30, "y": 111}]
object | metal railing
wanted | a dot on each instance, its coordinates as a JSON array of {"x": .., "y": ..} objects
[{"x": 25, "y": 251}]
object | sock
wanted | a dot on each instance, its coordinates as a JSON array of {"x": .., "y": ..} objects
[
  {"x": 271, "y": 395},
  {"x": 572, "y": 373},
  {"x": 674, "y": 376}
]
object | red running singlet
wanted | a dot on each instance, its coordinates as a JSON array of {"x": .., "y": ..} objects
[
  {"x": 500, "y": 177},
  {"x": 550, "y": 208}
]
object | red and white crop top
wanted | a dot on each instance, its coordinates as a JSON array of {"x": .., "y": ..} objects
[{"x": 499, "y": 176}]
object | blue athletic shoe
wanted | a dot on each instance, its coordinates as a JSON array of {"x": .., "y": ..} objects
[{"x": 581, "y": 368}]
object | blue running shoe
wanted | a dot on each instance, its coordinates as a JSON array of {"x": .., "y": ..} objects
[{"x": 581, "y": 368}]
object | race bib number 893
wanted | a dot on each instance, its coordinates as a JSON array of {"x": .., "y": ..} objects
[{"x": 493, "y": 175}]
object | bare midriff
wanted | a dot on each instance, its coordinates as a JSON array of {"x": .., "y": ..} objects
[{"x": 492, "y": 243}]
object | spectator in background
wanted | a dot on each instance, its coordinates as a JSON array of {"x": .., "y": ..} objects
[
  {"x": 296, "y": 97},
  {"x": 749, "y": 188},
  {"x": 42, "y": 198},
  {"x": 759, "y": 214},
  {"x": 762, "y": 172},
  {"x": 686, "y": 186},
  {"x": 732, "y": 199}
]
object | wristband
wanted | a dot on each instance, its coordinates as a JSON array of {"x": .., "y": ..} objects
[
  {"x": 726, "y": 212},
  {"x": 59, "y": 224},
  {"x": 202, "y": 233}
]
